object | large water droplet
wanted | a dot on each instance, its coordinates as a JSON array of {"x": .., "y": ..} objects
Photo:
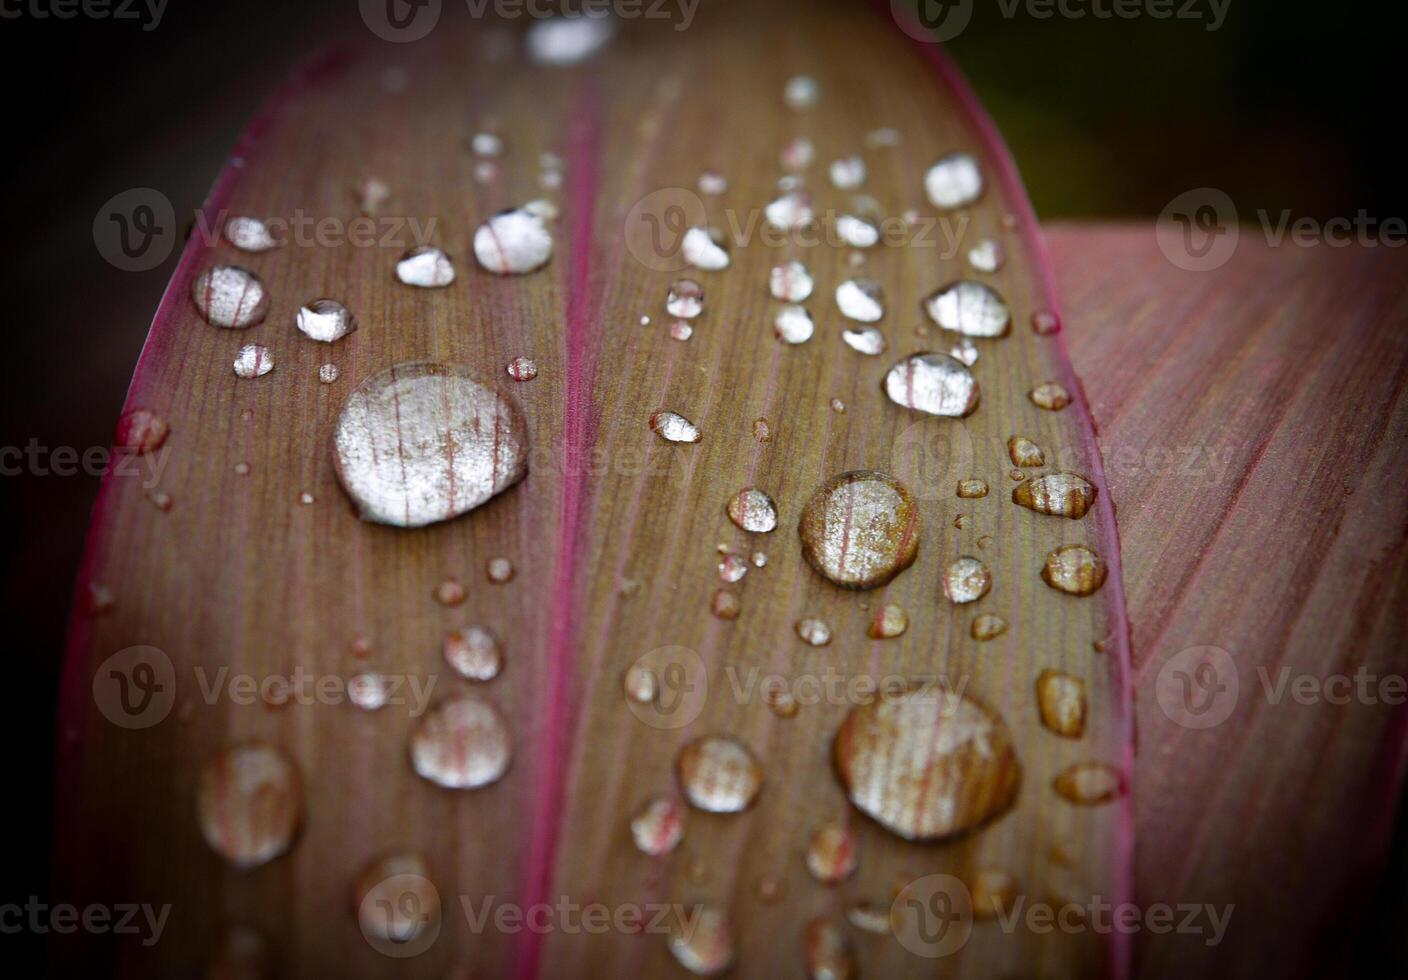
[
  {"x": 426, "y": 267},
  {"x": 685, "y": 300},
  {"x": 326, "y": 320},
  {"x": 752, "y": 510},
  {"x": 928, "y": 764},
  {"x": 1074, "y": 569},
  {"x": 860, "y": 529},
  {"x": 703, "y": 946},
  {"x": 701, "y": 251},
  {"x": 422, "y": 442},
  {"x": 1089, "y": 783},
  {"x": 718, "y": 774},
  {"x": 249, "y": 800},
  {"x": 1061, "y": 701},
  {"x": 229, "y": 296},
  {"x": 827, "y": 951},
  {"x": 833, "y": 853},
  {"x": 249, "y": 235},
  {"x": 793, "y": 325},
  {"x": 934, "y": 383},
  {"x": 954, "y": 181},
  {"x": 970, "y": 308},
  {"x": 861, "y": 300},
  {"x": 474, "y": 653},
  {"x": 673, "y": 427},
  {"x": 790, "y": 282},
  {"x": 253, "y": 361},
  {"x": 513, "y": 242},
  {"x": 966, "y": 580},
  {"x": 1063, "y": 494},
  {"x": 462, "y": 744},
  {"x": 658, "y": 826}
]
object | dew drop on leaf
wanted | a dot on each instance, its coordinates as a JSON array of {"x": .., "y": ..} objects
[
  {"x": 718, "y": 774},
  {"x": 860, "y": 529},
  {"x": 230, "y": 296},
  {"x": 462, "y": 743}
]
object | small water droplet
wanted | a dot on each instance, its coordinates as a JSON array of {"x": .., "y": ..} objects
[
  {"x": 760, "y": 559},
  {"x": 685, "y": 300},
  {"x": 813, "y": 632},
  {"x": 542, "y": 208},
  {"x": 419, "y": 443},
  {"x": 1075, "y": 570},
  {"x": 762, "y": 430},
  {"x": 1044, "y": 323},
  {"x": 328, "y": 373},
  {"x": 371, "y": 194},
  {"x": 305, "y": 498},
  {"x": 100, "y": 599},
  {"x": 1024, "y": 452},
  {"x": 752, "y": 510},
  {"x": 986, "y": 256},
  {"x": 325, "y": 320},
  {"x": 1061, "y": 701},
  {"x": 860, "y": 529},
  {"x": 884, "y": 136},
  {"x": 933, "y": 383},
  {"x": 861, "y": 300},
  {"x": 474, "y": 653},
  {"x": 140, "y": 431},
  {"x": 964, "y": 350},
  {"x": 640, "y": 684},
  {"x": 253, "y": 361},
  {"x": 701, "y": 251},
  {"x": 790, "y": 212},
  {"x": 994, "y": 891},
  {"x": 869, "y": 917},
  {"x": 462, "y": 743},
  {"x": 966, "y": 580},
  {"x": 987, "y": 627},
  {"x": 790, "y": 282},
  {"x": 889, "y": 621},
  {"x": 681, "y": 331},
  {"x": 486, "y": 171},
  {"x": 798, "y": 154},
  {"x": 848, "y": 173},
  {"x": 658, "y": 826},
  {"x": 426, "y": 267},
  {"x": 1050, "y": 396},
  {"x": 838, "y": 406},
  {"x": 486, "y": 144},
  {"x": 954, "y": 181},
  {"x": 361, "y": 645},
  {"x": 801, "y": 92},
  {"x": 770, "y": 890},
  {"x": 712, "y": 183},
  {"x": 160, "y": 499},
  {"x": 833, "y": 853},
  {"x": 229, "y": 296},
  {"x": 780, "y": 701},
  {"x": 857, "y": 232},
  {"x": 827, "y": 951},
  {"x": 1062, "y": 494},
  {"x": 970, "y": 308},
  {"x": 1089, "y": 783},
  {"x": 928, "y": 764},
  {"x": 368, "y": 691},
  {"x": 499, "y": 570},
  {"x": 703, "y": 946},
  {"x": 793, "y": 325},
  {"x": 868, "y": 340},
  {"x": 249, "y": 800},
  {"x": 513, "y": 242},
  {"x": 725, "y": 605},
  {"x": 718, "y": 774},
  {"x": 673, "y": 427},
  {"x": 972, "y": 488},
  {"x": 522, "y": 369},
  {"x": 733, "y": 568},
  {"x": 249, "y": 235},
  {"x": 560, "y": 41}
]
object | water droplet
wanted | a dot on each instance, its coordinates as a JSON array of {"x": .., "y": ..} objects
[
  {"x": 813, "y": 632},
  {"x": 1062, "y": 494},
  {"x": 718, "y": 774},
  {"x": 928, "y": 764},
  {"x": 770, "y": 890},
  {"x": 1074, "y": 569},
  {"x": 793, "y": 325},
  {"x": 701, "y": 251},
  {"x": 305, "y": 498},
  {"x": 733, "y": 568},
  {"x": 1061, "y": 701},
  {"x": 760, "y": 559},
  {"x": 499, "y": 570},
  {"x": 848, "y": 173},
  {"x": 426, "y": 267},
  {"x": 790, "y": 212},
  {"x": 328, "y": 373},
  {"x": 798, "y": 154},
  {"x": 994, "y": 891},
  {"x": 326, "y": 320},
  {"x": 658, "y": 826},
  {"x": 398, "y": 906},
  {"x": 987, "y": 627},
  {"x": 970, "y": 308},
  {"x": 559, "y": 41},
  {"x": 869, "y": 917},
  {"x": 140, "y": 431},
  {"x": 889, "y": 621},
  {"x": 837, "y": 406},
  {"x": 513, "y": 242},
  {"x": 368, "y": 691},
  {"x": 966, "y": 580},
  {"x": 833, "y": 853},
  {"x": 419, "y": 443},
  {"x": 486, "y": 144},
  {"x": 857, "y": 232},
  {"x": 1044, "y": 323},
  {"x": 229, "y": 296},
  {"x": 801, "y": 92},
  {"x": 712, "y": 183},
  {"x": 1050, "y": 396},
  {"x": 752, "y": 510},
  {"x": 673, "y": 427},
  {"x": 725, "y": 605},
  {"x": 371, "y": 194},
  {"x": 780, "y": 701},
  {"x": 462, "y": 743},
  {"x": 704, "y": 946},
  {"x": 986, "y": 256},
  {"x": 522, "y": 369},
  {"x": 972, "y": 488},
  {"x": 868, "y": 340},
  {"x": 100, "y": 599},
  {"x": 681, "y": 331},
  {"x": 249, "y": 235},
  {"x": 790, "y": 281},
  {"x": 160, "y": 499},
  {"x": 249, "y": 800},
  {"x": 474, "y": 653},
  {"x": 253, "y": 361},
  {"x": 860, "y": 529},
  {"x": 686, "y": 299},
  {"x": 861, "y": 300},
  {"x": 884, "y": 136},
  {"x": 1089, "y": 783},
  {"x": 542, "y": 209},
  {"x": 640, "y": 684},
  {"x": 1024, "y": 452},
  {"x": 762, "y": 430},
  {"x": 827, "y": 951},
  {"x": 954, "y": 181},
  {"x": 964, "y": 350},
  {"x": 933, "y": 383}
]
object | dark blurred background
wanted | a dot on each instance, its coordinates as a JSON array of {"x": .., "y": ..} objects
[{"x": 1107, "y": 118}]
